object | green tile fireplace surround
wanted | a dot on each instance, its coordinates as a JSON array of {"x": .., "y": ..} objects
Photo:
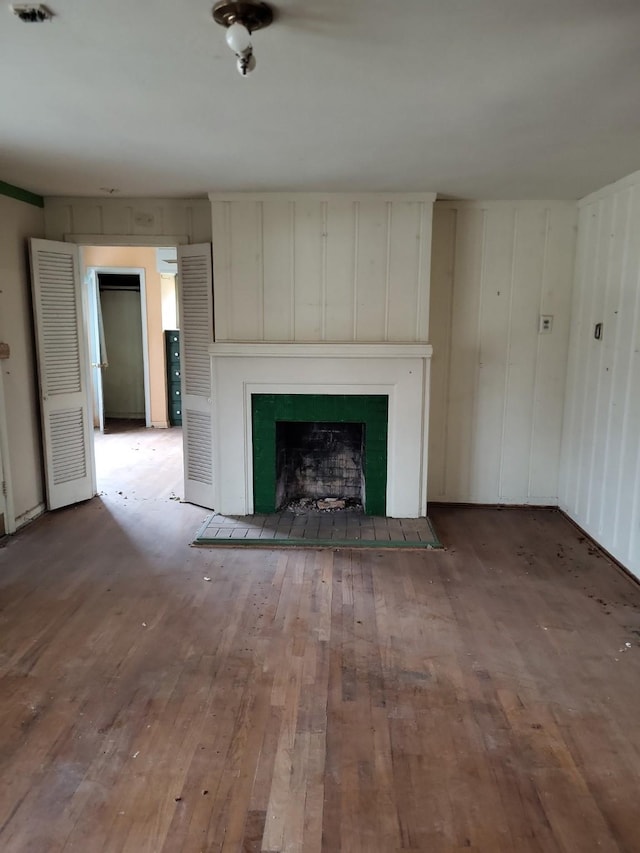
[{"x": 370, "y": 410}]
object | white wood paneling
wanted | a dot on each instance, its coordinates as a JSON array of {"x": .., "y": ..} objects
[
  {"x": 497, "y": 384},
  {"x": 136, "y": 218},
  {"x": 277, "y": 271},
  {"x": 313, "y": 267},
  {"x": 19, "y": 409},
  {"x": 340, "y": 269},
  {"x": 600, "y": 473},
  {"x": 309, "y": 243}
]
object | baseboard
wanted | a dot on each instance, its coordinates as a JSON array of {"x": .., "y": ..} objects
[
  {"x": 607, "y": 554},
  {"x": 29, "y": 515},
  {"x": 125, "y": 416},
  {"x": 472, "y": 505}
]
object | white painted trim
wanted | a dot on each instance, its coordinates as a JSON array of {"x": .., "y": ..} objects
[
  {"x": 427, "y": 197},
  {"x": 140, "y": 272},
  {"x": 492, "y": 204},
  {"x": 126, "y": 240},
  {"x": 5, "y": 469},
  {"x": 259, "y": 349},
  {"x": 548, "y": 502},
  {"x": 424, "y": 456},
  {"x": 145, "y": 349},
  {"x": 119, "y": 199}
]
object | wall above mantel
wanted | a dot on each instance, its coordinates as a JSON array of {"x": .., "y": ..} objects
[{"x": 322, "y": 267}]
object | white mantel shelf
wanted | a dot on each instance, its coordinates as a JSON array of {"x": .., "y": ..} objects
[{"x": 326, "y": 349}]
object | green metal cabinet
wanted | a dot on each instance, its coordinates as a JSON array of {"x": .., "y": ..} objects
[{"x": 174, "y": 391}]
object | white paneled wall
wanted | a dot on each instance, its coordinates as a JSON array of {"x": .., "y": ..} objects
[
  {"x": 187, "y": 219},
  {"x": 497, "y": 384},
  {"x": 310, "y": 267},
  {"x": 600, "y": 475},
  {"x": 20, "y": 416}
]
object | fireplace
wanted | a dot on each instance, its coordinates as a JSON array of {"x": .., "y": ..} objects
[
  {"x": 383, "y": 388},
  {"x": 319, "y": 445}
]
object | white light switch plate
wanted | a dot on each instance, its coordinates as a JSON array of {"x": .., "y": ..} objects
[{"x": 546, "y": 324}]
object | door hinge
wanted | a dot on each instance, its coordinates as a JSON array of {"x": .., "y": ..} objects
[{"x": 4, "y": 488}]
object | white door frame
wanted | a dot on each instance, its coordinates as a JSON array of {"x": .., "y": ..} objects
[
  {"x": 140, "y": 272},
  {"x": 92, "y": 309},
  {"x": 85, "y": 240}
]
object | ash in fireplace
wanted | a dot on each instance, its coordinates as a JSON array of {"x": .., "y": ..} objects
[{"x": 303, "y": 506}]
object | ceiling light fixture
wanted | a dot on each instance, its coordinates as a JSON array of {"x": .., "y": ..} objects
[
  {"x": 241, "y": 19},
  {"x": 32, "y": 14}
]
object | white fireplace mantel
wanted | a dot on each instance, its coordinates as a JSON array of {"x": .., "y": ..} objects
[
  {"x": 398, "y": 370},
  {"x": 262, "y": 349}
]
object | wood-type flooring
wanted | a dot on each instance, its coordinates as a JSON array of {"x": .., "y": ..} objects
[{"x": 157, "y": 698}]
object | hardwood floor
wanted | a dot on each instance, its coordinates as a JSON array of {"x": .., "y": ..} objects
[{"x": 156, "y": 697}]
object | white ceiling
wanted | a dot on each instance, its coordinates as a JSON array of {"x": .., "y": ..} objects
[{"x": 469, "y": 98}]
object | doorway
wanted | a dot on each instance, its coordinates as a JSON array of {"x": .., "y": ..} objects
[
  {"x": 63, "y": 329},
  {"x": 125, "y": 378},
  {"x": 130, "y": 294}
]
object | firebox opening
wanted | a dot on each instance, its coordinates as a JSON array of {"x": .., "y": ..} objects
[
  {"x": 368, "y": 413},
  {"x": 318, "y": 460}
]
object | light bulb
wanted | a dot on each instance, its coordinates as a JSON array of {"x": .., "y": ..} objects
[
  {"x": 245, "y": 64},
  {"x": 238, "y": 38}
]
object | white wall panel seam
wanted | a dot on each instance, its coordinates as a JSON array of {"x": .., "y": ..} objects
[
  {"x": 507, "y": 372},
  {"x": 570, "y": 449},
  {"x": 536, "y": 370},
  {"x": 565, "y": 385},
  {"x": 420, "y": 247},
  {"x": 356, "y": 248},
  {"x": 471, "y": 484},
  {"x": 445, "y": 418},
  {"x": 323, "y": 273},
  {"x": 261, "y": 305},
  {"x": 228, "y": 296},
  {"x": 387, "y": 276},
  {"x": 292, "y": 246},
  {"x": 588, "y": 311}
]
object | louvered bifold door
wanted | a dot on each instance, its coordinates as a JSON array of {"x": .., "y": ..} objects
[
  {"x": 195, "y": 292},
  {"x": 63, "y": 370}
]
